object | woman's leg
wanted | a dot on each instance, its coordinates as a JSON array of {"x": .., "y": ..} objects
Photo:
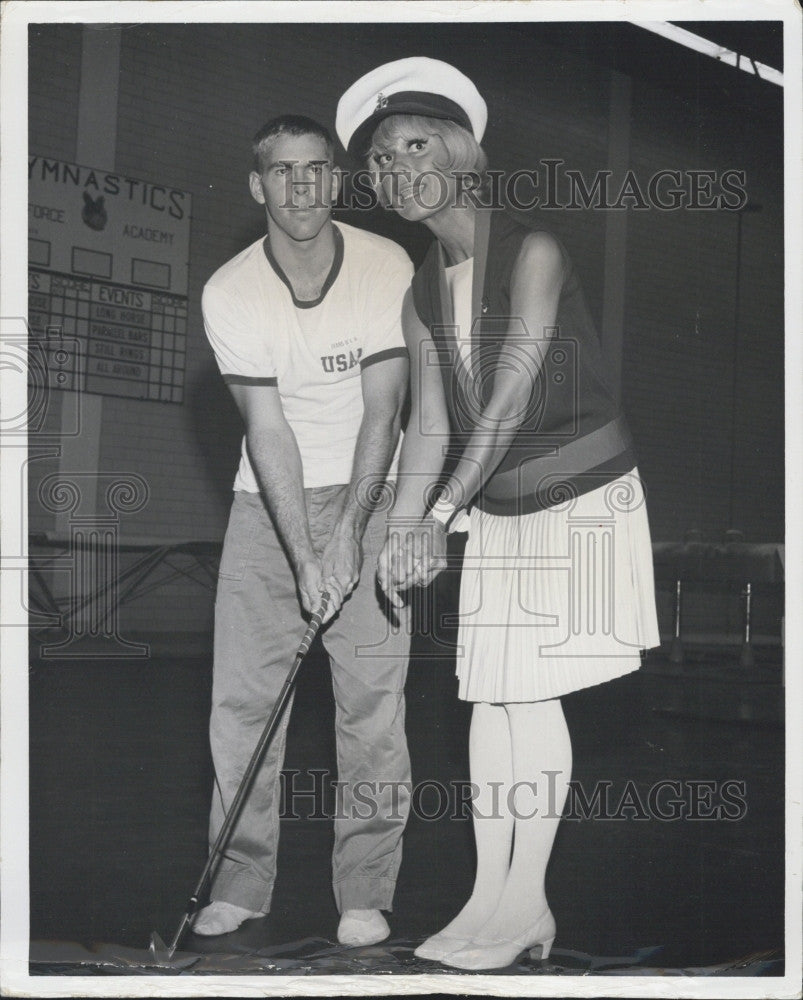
[
  {"x": 491, "y": 772},
  {"x": 542, "y": 761}
]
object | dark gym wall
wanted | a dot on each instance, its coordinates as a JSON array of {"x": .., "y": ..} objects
[
  {"x": 699, "y": 400},
  {"x": 190, "y": 97}
]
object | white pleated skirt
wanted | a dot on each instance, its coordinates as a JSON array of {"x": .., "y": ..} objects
[{"x": 557, "y": 600}]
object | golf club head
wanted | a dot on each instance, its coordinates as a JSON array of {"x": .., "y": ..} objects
[
  {"x": 158, "y": 950},
  {"x": 166, "y": 958}
]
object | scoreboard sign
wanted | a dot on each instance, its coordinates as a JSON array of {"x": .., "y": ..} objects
[{"x": 108, "y": 260}]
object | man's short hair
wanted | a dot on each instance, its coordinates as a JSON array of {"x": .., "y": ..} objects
[{"x": 288, "y": 125}]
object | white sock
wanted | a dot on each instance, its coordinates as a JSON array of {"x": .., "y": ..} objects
[
  {"x": 221, "y": 918},
  {"x": 362, "y": 927}
]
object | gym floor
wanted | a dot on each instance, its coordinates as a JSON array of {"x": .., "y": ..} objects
[{"x": 120, "y": 780}]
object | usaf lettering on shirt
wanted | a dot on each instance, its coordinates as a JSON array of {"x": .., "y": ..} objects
[{"x": 344, "y": 361}]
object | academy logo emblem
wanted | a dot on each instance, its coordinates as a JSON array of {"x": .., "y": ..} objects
[{"x": 94, "y": 212}]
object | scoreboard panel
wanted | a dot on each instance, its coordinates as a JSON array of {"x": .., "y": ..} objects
[{"x": 108, "y": 271}]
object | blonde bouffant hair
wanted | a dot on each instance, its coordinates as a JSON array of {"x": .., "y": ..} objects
[{"x": 465, "y": 156}]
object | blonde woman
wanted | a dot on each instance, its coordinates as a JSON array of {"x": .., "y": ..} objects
[{"x": 508, "y": 376}]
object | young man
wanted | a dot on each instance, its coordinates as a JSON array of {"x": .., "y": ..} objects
[{"x": 306, "y": 329}]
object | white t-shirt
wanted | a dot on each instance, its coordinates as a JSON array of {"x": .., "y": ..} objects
[{"x": 315, "y": 351}]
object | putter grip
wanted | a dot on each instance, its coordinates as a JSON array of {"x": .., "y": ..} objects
[{"x": 314, "y": 625}]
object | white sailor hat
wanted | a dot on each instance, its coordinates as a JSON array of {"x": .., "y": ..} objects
[{"x": 414, "y": 86}]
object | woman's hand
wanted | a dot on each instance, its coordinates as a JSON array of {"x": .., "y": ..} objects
[
  {"x": 387, "y": 568},
  {"x": 412, "y": 556},
  {"x": 427, "y": 547}
]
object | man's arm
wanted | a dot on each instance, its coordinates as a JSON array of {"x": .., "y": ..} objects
[
  {"x": 276, "y": 461},
  {"x": 383, "y": 389}
]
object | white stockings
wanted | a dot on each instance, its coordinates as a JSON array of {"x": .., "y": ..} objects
[{"x": 521, "y": 759}]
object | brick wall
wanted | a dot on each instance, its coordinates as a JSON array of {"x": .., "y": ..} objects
[{"x": 191, "y": 96}]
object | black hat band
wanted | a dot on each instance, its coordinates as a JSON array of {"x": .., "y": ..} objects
[{"x": 406, "y": 102}]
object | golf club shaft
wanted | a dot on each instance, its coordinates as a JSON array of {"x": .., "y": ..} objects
[{"x": 256, "y": 757}]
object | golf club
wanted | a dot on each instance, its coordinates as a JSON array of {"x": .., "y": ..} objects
[{"x": 158, "y": 949}]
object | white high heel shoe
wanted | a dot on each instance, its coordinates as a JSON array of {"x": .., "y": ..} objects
[
  {"x": 439, "y": 945},
  {"x": 483, "y": 954}
]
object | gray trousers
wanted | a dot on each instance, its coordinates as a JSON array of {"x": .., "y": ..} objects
[{"x": 258, "y": 625}]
